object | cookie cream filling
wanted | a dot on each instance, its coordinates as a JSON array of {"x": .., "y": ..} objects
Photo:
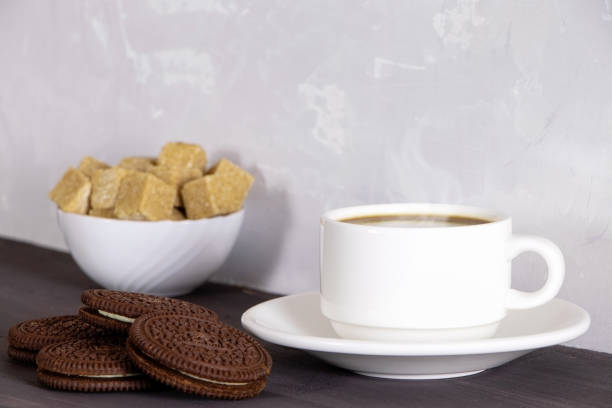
[
  {"x": 209, "y": 380},
  {"x": 194, "y": 376},
  {"x": 111, "y": 375},
  {"x": 116, "y": 316}
]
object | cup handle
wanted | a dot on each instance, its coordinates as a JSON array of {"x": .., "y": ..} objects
[{"x": 556, "y": 270}]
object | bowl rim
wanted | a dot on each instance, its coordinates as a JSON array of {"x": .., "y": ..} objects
[{"x": 94, "y": 219}]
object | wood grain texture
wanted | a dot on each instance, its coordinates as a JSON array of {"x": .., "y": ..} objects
[{"x": 37, "y": 282}]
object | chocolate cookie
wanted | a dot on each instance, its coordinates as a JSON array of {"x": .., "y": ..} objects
[
  {"x": 116, "y": 310},
  {"x": 23, "y": 355},
  {"x": 199, "y": 356},
  {"x": 26, "y": 338},
  {"x": 91, "y": 365}
]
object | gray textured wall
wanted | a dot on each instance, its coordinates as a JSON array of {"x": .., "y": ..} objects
[{"x": 503, "y": 104}]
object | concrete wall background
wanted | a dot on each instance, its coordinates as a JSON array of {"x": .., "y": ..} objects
[{"x": 329, "y": 103}]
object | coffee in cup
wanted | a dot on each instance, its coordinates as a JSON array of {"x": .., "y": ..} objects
[
  {"x": 415, "y": 220},
  {"x": 410, "y": 272}
]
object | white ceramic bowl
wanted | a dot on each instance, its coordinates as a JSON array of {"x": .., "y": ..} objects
[{"x": 164, "y": 257}]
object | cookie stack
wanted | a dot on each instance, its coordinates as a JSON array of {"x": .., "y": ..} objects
[{"x": 122, "y": 341}]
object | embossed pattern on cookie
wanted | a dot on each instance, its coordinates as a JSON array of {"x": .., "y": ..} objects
[
  {"x": 99, "y": 364},
  {"x": 107, "y": 307},
  {"x": 199, "y": 356},
  {"x": 27, "y": 337}
]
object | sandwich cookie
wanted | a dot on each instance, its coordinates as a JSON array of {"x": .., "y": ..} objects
[
  {"x": 26, "y": 338},
  {"x": 199, "y": 356},
  {"x": 116, "y": 310},
  {"x": 90, "y": 365}
]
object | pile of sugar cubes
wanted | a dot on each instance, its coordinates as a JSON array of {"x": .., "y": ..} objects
[{"x": 174, "y": 186}]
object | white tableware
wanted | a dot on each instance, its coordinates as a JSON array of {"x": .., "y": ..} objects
[
  {"x": 420, "y": 282},
  {"x": 163, "y": 257},
  {"x": 296, "y": 321}
]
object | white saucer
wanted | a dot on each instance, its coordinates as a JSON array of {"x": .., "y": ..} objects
[{"x": 296, "y": 321}]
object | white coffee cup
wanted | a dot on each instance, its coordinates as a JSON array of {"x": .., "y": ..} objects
[{"x": 425, "y": 281}]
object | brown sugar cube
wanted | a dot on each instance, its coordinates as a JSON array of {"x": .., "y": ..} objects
[
  {"x": 71, "y": 193},
  {"x": 102, "y": 212},
  {"x": 220, "y": 192},
  {"x": 137, "y": 163},
  {"x": 199, "y": 198},
  {"x": 185, "y": 155},
  {"x": 88, "y": 165},
  {"x": 233, "y": 184},
  {"x": 143, "y": 196},
  {"x": 105, "y": 186},
  {"x": 176, "y": 176},
  {"x": 176, "y": 215}
]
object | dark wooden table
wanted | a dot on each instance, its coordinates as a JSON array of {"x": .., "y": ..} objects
[{"x": 36, "y": 282}]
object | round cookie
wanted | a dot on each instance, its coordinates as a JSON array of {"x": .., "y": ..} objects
[
  {"x": 90, "y": 365},
  {"x": 22, "y": 355},
  {"x": 26, "y": 338},
  {"x": 116, "y": 310},
  {"x": 199, "y": 356}
]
